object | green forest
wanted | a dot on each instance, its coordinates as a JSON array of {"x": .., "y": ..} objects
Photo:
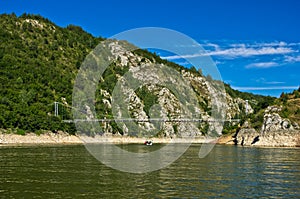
[{"x": 37, "y": 67}]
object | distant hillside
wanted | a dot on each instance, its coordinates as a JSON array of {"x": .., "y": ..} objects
[
  {"x": 39, "y": 62},
  {"x": 291, "y": 105}
]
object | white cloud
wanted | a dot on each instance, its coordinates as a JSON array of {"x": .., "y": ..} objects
[
  {"x": 262, "y": 65},
  {"x": 270, "y": 44},
  {"x": 247, "y": 52},
  {"x": 294, "y": 44},
  {"x": 264, "y": 81},
  {"x": 274, "y": 82},
  {"x": 183, "y": 63},
  {"x": 215, "y": 46},
  {"x": 218, "y": 62},
  {"x": 265, "y": 88},
  {"x": 260, "y": 80},
  {"x": 264, "y": 44},
  {"x": 241, "y": 51},
  {"x": 292, "y": 59},
  {"x": 238, "y": 45},
  {"x": 229, "y": 81},
  {"x": 172, "y": 57}
]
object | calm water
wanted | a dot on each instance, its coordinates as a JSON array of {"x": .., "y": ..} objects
[{"x": 228, "y": 172}]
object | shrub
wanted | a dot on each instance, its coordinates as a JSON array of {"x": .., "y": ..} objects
[{"x": 21, "y": 132}]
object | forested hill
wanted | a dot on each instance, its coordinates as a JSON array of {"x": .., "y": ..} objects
[{"x": 38, "y": 65}]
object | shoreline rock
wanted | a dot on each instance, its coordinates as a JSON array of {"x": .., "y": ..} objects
[
  {"x": 250, "y": 137},
  {"x": 275, "y": 132}
]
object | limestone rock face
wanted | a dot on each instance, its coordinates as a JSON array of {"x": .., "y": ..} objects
[
  {"x": 281, "y": 138},
  {"x": 273, "y": 122},
  {"x": 275, "y": 131},
  {"x": 171, "y": 88},
  {"x": 278, "y": 131},
  {"x": 247, "y": 137}
]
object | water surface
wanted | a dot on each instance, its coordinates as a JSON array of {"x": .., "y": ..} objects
[{"x": 69, "y": 171}]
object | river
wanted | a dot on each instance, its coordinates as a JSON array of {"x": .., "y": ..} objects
[{"x": 69, "y": 171}]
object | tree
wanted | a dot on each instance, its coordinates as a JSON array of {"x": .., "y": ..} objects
[
  {"x": 200, "y": 71},
  {"x": 209, "y": 78},
  {"x": 193, "y": 69},
  {"x": 284, "y": 97}
]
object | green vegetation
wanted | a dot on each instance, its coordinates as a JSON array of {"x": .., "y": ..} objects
[
  {"x": 291, "y": 105},
  {"x": 257, "y": 119},
  {"x": 290, "y": 108},
  {"x": 38, "y": 64},
  {"x": 259, "y": 101},
  {"x": 149, "y": 98}
]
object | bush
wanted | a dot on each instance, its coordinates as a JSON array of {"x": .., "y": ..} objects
[{"x": 21, "y": 132}]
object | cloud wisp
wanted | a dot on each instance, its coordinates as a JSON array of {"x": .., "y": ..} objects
[
  {"x": 292, "y": 59},
  {"x": 275, "y": 82},
  {"x": 263, "y": 80},
  {"x": 240, "y": 50},
  {"x": 265, "y": 88},
  {"x": 263, "y": 65}
]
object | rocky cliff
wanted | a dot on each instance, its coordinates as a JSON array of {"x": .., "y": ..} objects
[
  {"x": 275, "y": 131},
  {"x": 164, "y": 92}
]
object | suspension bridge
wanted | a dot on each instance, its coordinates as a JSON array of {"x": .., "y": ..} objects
[{"x": 137, "y": 120}]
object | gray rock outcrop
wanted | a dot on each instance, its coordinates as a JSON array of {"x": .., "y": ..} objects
[
  {"x": 275, "y": 131},
  {"x": 246, "y": 136},
  {"x": 153, "y": 76},
  {"x": 273, "y": 122}
]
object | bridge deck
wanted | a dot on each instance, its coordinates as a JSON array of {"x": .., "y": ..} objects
[{"x": 148, "y": 120}]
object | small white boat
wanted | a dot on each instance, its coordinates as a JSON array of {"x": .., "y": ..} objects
[{"x": 148, "y": 142}]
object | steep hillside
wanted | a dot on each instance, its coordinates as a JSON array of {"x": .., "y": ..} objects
[
  {"x": 291, "y": 105},
  {"x": 39, "y": 62}
]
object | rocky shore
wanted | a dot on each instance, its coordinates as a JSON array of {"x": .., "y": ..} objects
[
  {"x": 46, "y": 138},
  {"x": 245, "y": 137},
  {"x": 275, "y": 132},
  {"x": 248, "y": 137},
  {"x": 65, "y": 138}
]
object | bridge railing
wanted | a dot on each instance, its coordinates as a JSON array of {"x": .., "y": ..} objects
[
  {"x": 162, "y": 120},
  {"x": 150, "y": 120}
]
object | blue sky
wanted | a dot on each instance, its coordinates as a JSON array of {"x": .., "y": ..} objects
[{"x": 255, "y": 43}]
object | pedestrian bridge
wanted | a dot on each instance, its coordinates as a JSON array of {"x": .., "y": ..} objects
[
  {"x": 110, "y": 119},
  {"x": 162, "y": 120}
]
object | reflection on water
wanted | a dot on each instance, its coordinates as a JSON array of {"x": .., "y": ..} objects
[
  {"x": 228, "y": 171},
  {"x": 137, "y": 158}
]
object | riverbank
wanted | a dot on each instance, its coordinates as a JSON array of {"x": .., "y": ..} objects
[
  {"x": 65, "y": 138},
  {"x": 45, "y": 138},
  {"x": 248, "y": 137}
]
